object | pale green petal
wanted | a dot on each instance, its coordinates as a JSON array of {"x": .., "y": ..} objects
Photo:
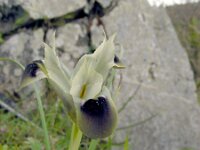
[
  {"x": 32, "y": 73},
  {"x": 59, "y": 77},
  {"x": 85, "y": 57},
  {"x": 66, "y": 98},
  {"x": 104, "y": 56},
  {"x": 87, "y": 82},
  {"x": 54, "y": 67},
  {"x": 96, "y": 57},
  {"x": 78, "y": 65},
  {"x": 106, "y": 51},
  {"x": 66, "y": 71},
  {"x": 97, "y": 118}
]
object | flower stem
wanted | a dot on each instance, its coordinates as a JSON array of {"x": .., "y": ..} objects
[
  {"x": 93, "y": 144},
  {"x": 42, "y": 116},
  {"x": 76, "y": 136}
]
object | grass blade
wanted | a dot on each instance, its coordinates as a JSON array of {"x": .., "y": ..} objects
[
  {"x": 13, "y": 61},
  {"x": 126, "y": 144},
  {"x": 42, "y": 116}
]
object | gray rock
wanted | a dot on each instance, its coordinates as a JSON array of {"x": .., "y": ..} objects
[
  {"x": 23, "y": 47},
  {"x": 71, "y": 43},
  {"x": 27, "y": 46},
  {"x": 9, "y": 2},
  {"x": 158, "y": 66},
  {"x": 165, "y": 3},
  {"x": 105, "y": 3},
  {"x": 51, "y": 8}
]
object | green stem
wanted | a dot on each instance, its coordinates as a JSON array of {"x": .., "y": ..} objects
[
  {"x": 93, "y": 144},
  {"x": 13, "y": 61},
  {"x": 42, "y": 116},
  {"x": 76, "y": 136}
]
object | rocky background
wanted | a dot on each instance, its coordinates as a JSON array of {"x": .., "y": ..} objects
[
  {"x": 187, "y": 26},
  {"x": 158, "y": 96}
]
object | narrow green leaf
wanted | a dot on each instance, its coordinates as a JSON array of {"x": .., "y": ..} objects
[
  {"x": 43, "y": 120},
  {"x": 126, "y": 144},
  {"x": 13, "y": 61}
]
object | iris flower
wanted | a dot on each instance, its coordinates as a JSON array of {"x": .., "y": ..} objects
[{"x": 87, "y": 100}]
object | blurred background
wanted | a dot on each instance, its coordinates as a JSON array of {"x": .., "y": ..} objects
[{"x": 159, "y": 94}]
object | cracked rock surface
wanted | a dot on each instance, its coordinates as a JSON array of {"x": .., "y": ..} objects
[
  {"x": 46, "y": 8},
  {"x": 158, "y": 76}
]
